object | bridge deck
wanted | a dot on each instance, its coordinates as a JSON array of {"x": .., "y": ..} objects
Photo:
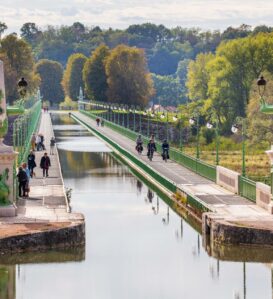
[{"x": 231, "y": 206}]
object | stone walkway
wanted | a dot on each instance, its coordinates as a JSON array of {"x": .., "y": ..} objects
[
  {"x": 47, "y": 202},
  {"x": 231, "y": 206}
]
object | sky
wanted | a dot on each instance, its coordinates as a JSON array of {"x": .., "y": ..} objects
[{"x": 206, "y": 14}]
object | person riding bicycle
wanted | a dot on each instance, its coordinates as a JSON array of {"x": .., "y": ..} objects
[
  {"x": 151, "y": 149},
  {"x": 165, "y": 150},
  {"x": 139, "y": 143}
]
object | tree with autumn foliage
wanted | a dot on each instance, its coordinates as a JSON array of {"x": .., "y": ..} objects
[
  {"x": 72, "y": 78},
  {"x": 128, "y": 78}
]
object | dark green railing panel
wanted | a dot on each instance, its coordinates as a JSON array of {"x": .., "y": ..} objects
[{"x": 247, "y": 188}]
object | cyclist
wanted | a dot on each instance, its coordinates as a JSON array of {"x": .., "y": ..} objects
[
  {"x": 165, "y": 150},
  {"x": 139, "y": 143},
  {"x": 151, "y": 149}
]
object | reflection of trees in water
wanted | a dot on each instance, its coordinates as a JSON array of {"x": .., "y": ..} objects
[
  {"x": 62, "y": 119},
  {"x": 7, "y": 282},
  {"x": 97, "y": 163}
]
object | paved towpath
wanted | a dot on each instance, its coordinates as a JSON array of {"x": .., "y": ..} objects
[
  {"x": 217, "y": 199},
  {"x": 47, "y": 201}
]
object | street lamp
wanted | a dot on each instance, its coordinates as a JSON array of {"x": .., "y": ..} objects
[
  {"x": 175, "y": 119},
  {"x": 195, "y": 121},
  {"x": 22, "y": 86},
  {"x": 162, "y": 116},
  {"x": 210, "y": 126},
  {"x": 235, "y": 129}
]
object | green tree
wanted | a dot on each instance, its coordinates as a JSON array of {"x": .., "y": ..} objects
[
  {"x": 3, "y": 28},
  {"x": 168, "y": 91},
  {"x": 198, "y": 77},
  {"x": 51, "y": 74},
  {"x": 30, "y": 32},
  {"x": 19, "y": 62},
  {"x": 72, "y": 78},
  {"x": 94, "y": 74},
  {"x": 128, "y": 79}
]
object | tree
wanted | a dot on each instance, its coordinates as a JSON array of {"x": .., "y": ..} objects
[
  {"x": 30, "y": 32},
  {"x": 128, "y": 79},
  {"x": 168, "y": 91},
  {"x": 198, "y": 77},
  {"x": 94, "y": 74},
  {"x": 3, "y": 28},
  {"x": 51, "y": 74},
  {"x": 72, "y": 78},
  {"x": 19, "y": 62}
]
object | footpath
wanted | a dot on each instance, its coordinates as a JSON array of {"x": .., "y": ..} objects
[
  {"x": 43, "y": 219},
  {"x": 226, "y": 207}
]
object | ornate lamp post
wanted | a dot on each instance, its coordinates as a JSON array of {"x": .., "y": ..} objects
[
  {"x": 235, "y": 129},
  {"x": 195, "y": 121},
  {"x": 175, "y": 119},
  {"x": 268, "y": 109}
]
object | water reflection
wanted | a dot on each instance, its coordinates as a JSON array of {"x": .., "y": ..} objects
[{"x": 137, "y": 246}]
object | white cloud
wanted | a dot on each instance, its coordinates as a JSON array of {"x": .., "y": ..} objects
[{"x": 119, "y": 13}]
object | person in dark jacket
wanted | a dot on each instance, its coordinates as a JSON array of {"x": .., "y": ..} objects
[
  {"x": 165, "y": 149},
  {"x": 45, "y": 164},
  {"x": 31, "y": 163},
  {"x": 22, "y": 179},
  {"x": 151, "y": 149}
]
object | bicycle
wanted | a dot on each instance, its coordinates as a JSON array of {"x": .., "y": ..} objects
[
  {"x": 139, "y": 149},
  {"x": 150, "y": 155},
  {"x": 165, "y": 156}
]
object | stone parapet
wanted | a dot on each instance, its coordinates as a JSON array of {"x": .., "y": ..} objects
[
  {"x": 264, "y": 197},
  {"x": 228, "y": 179}
]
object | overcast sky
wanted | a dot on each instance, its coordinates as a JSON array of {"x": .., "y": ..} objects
[{"x": 207, "y": 14}]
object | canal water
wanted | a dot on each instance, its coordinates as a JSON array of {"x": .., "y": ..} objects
[{"x": 137, "y": 247}]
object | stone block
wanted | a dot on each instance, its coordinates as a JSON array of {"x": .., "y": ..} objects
[
  {"x": 8, "y": 211},
  {"x": 228, "y": 179},
  {"x": 264, "y": 197}
]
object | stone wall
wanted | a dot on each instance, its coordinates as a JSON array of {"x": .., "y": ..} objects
[{"x": 71, "y": 236}]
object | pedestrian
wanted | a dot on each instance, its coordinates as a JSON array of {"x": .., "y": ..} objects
[
  {"x": 38, "y": 142},
  {"x": 33, "y": 142},
  {"x": 26, "y": 170},
  {"x": 52, "y": 145},
  {"x": 22, "y": 180},
  {"x": 102, "y": 123},
  {"x": 42, "y": 141},
  {"x": 45, "y": 164},
  {"x": 31, "y": 163},
  {"x": 98, "y": 121}
]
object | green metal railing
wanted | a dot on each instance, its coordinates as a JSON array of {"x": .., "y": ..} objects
[
  {"x": 247, "y": 188},
  {"x": 204, "y": 169},
  {"x": 171, "y": 186},
  {"x": 23, "y": 128}
]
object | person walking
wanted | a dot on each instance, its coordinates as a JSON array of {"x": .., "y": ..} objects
[
  {"x": 22, "y": 180},
  {"x": 45, "y": 164},
  {"x": 52, "y": 145},
  {"x": 98, "y": 121},
  {"x": 31, "y": 163},
  {"x": 42, "y": 142},
  {"x": 151, "y": 149},
  {"x": 38, "y": 142},
  {"x": 26, "y": 170},
  {"x": 33, "y": 142}
]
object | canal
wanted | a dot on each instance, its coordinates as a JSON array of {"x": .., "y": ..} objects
[{"x": 137, "y": 247}]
